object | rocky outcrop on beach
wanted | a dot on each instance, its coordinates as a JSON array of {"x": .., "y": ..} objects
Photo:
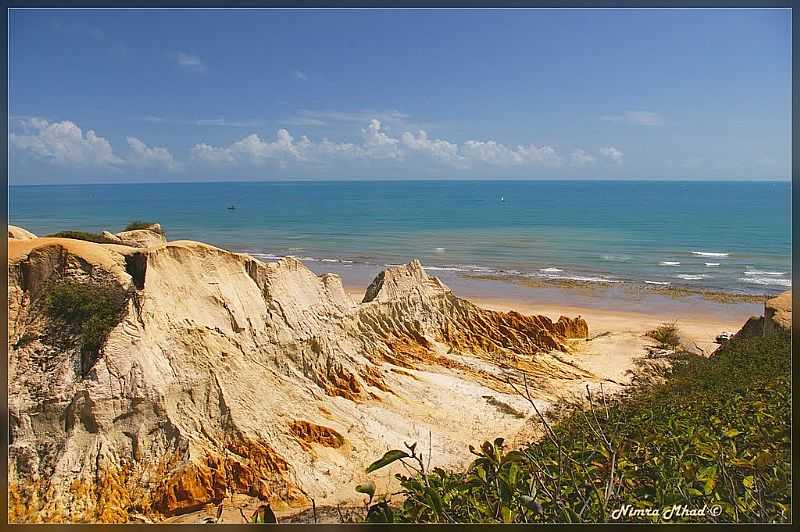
[
  {"x": 194, "y": 374},
  {"x": 777, "y": 318},
  {"x": 18, "y": 233},
  {"x": 778, "y": 314}
]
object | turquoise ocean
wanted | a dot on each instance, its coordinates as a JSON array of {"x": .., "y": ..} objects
[{"x": 727, "y": 236}]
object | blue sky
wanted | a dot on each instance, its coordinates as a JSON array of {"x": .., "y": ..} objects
[{"x": 177, "y": 95}]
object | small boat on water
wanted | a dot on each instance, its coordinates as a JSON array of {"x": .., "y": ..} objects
[{"x": 232, "y": 208}]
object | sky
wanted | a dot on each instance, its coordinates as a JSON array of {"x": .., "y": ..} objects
[{"x": 117, "y": 96}]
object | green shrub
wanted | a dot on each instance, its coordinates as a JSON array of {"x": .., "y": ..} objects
[
  {"x": 138, "y": 224},
  {"x": 715, "y": 433},
  {"x": 91, "y": 310},
  {"x": 666, "y": 335},
  {"x": 24, "y": 340},
  {"x": 83, "y": 235}
]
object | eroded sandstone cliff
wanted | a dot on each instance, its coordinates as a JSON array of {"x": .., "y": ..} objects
[{"x": 223, "y": 375}]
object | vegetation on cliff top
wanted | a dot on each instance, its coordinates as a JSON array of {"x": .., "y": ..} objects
[
  {"x": 89, "y": 310},
  {"x": 139, "y": 224},
  {"x": 715, "y": 432},
  {"x": 83, "y": 235}
]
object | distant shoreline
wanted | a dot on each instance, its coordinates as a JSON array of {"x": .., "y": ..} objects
[{"x": 718, "y": 296}]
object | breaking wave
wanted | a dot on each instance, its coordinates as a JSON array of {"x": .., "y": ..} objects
[
  {"x": 709, "y": 254},
  {"x": 767, "y": 281}
]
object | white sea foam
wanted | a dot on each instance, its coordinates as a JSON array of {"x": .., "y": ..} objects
[
  {"x": 657, "y": 282},
  {"x": 444, "y": 269},
  {"x": 309, "y": 259},
  {"x": 329, "y": 260},
  {"x": 759, "y": 272},
  {"x": 712, "y": 264},
  {"x": 616, "y": 258},
  {"x": 576, "y": 278},
  {"x": 551, "y": 270},
  {"x": 709, "y": 254},
  {"x": 268, "y": 256},
  {"x": 669, "y": 263},
  {"x": 439, "y": 250},
  {"x": 767, "y": 281},
  {"x": 691, "y": 277}
]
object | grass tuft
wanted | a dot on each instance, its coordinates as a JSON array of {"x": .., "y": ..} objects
[{"x": 666, "y": 335}]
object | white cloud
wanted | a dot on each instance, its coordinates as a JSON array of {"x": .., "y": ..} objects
[
  {"x": 387, "y": 117},
  {"x": 442, "y": 150},
  {"x": 379, "y": 144},
  {"x": 639, "y": 118},
  {"x": 253, "y": 149},
  {"x": 142, "y": 155},
  {"x": 203, "y": 122},
  {"x": 190, "y": 62},
  {"x": 581, "y": 157},
  {"x": 303, "y": 121},
  {"x": 211, "y": 154},
  {"x": 221, "y": 122},
  {"x": 612, "y": 153},
  {"x": 299, "y": 74},
  {"x": 64, "y": 143},
  {"x": 491, "y": 152}
]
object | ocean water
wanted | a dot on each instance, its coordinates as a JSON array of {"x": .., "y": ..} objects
[{"x": 730, "y": 236}]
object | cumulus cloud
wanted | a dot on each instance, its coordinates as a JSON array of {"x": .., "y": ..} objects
[
  {"x": 143, "y": 155},
  {"x": 612, "y": 153},
  {"x": 252, "y": 149},
  {"x": 639, "y": 118},
  {"x": 438, "y": 149},
  {"x": 491, "y": 152},
  {"x": 64, "y": 143},
  {"x": 211, "y": 154},
  {"x": 581, "y": 157},
  {"x": 378, "y": 143}
]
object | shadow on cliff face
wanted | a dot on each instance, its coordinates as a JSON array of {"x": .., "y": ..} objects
[{"x": 136, "y": 266}]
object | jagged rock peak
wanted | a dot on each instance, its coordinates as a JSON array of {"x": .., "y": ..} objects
[{"x": 400, "y": 281}]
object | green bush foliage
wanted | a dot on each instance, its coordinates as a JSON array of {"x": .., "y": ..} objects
[
  {"x": 716, "y": 432},
  {"x": 83, "y": 235},
  {"x": 138, "y": 224},
  {"x": 91, "y": 310}
]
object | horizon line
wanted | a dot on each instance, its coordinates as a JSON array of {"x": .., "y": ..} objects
[{"x": 406, "y": 179}]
